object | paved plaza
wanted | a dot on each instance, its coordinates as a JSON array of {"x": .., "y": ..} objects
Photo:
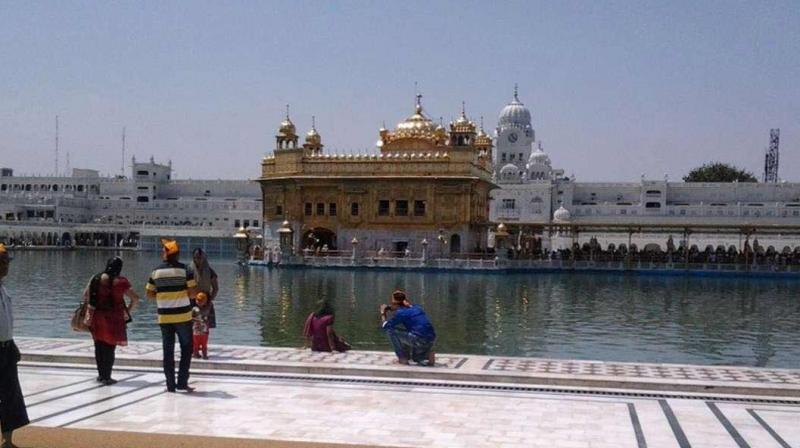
[{"x": 253, "y": 396}]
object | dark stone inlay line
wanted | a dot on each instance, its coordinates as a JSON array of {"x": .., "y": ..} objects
[
  {"x": 488, "y": 363},
  {"x": 81, "y": 406},
  {"x": 769, "y": 429},
  {"x": 727, "y": 425},
  {"x": 460, "y": 363},
  {"x": 637, "y": 427},
  {"x": 77, "y": 392},
  {"x": 58, "y": 387},
  {"x": 114, "y": 408},
  {"x": 680, "y": 436}
]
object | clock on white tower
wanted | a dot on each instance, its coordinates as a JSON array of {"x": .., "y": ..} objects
[{"x": 512, "y": 137}]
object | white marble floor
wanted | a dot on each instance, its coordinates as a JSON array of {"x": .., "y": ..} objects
[
  {"x": 383, "y": 413},
  {"x": 564, "y": 372}
]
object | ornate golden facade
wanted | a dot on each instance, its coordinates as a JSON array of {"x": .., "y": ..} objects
[{"x": 425, "y": 183}]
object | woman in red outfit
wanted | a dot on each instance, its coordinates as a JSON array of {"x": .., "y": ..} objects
[
  {"x": 108, "y": 314},
  {"x": 319, "y": 331}
]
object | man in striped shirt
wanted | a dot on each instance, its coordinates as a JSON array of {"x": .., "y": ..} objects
[{"x": 171, "y": 284}]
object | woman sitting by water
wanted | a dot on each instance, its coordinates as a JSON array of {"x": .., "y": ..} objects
[
  {"x": 108, "y": 314},
  {"x": 319, "y": 332}
]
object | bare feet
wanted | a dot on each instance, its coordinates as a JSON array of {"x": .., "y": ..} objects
[{"x": 401, "y": 361}]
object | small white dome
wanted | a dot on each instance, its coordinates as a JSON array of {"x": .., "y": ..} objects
[
  {"x": 562, "y": 215},
  {"x": 509, "y": 170},
  {"x": 538, "y": 157}
]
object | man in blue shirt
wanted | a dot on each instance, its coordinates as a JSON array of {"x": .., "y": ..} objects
[{"x": 409, "y": 330}]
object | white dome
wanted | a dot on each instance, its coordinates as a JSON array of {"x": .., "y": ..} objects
[
  {"x": 538, "y": 157},
  {"x": 515, "y": 114},
  {"x": 562, "y": 215},
  {"x": 509, "y": 170}
]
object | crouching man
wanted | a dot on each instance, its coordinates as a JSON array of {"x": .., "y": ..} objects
[{"x": 409, "y": 330}]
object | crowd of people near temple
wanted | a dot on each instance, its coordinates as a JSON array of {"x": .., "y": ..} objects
[
  {"x": 78, "y": 240},
  {"x": 750, "y": 254},
  {"x": 184, "y": 296}
]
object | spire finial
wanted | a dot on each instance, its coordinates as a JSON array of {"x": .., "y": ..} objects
[
  {"x": 313, "y": 122},
  {"x": 463, "y": 109},
  {"x": 481, "y": 122},
  {"x": 419, "y": 103},
  {"x": 287, "y": 111},
  {"x": 516, "y": 92}
]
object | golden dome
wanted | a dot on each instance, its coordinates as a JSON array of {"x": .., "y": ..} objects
[
  {"x": 417, "y": 133},
  {"x": 287, "y": 128},
  {"x": 312, "y": 136},
  {"x": 417, "y": 125}
]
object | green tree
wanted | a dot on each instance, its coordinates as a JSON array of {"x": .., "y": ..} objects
[{"x": 719, "y": 172}]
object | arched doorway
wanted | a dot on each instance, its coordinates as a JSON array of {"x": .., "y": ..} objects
[
  {"x": 455, "y": 243},
  {"x": 319, "y": 238}
]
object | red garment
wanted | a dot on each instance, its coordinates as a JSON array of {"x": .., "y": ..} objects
[
  {"x": 317, "y": 329},
  {"x": 200, "y": 343},
  {"x": 108, "y": 320}
]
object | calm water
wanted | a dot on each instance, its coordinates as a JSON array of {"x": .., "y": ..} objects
[{"x": 585, "y": 316}]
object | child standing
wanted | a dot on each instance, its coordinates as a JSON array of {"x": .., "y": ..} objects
[{"x": 200, "y": 328}]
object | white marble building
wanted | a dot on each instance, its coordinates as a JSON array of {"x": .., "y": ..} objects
[
  {"x": 532, "y": 193},
  {"x": 149, "y": 199}
]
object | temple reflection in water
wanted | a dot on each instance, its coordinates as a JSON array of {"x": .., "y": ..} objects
[{"x": 583, "y": 316}]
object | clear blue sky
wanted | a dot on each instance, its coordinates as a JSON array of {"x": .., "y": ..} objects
[{"x": 616, "y": 88}]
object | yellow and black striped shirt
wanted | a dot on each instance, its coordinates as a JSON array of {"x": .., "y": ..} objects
[{"x": 171, "y": 284}]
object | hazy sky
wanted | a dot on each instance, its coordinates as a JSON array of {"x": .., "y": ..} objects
[{"x": 616, "y": 89}]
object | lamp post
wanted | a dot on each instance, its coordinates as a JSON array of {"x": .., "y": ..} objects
[
  {"x": 354, "y": 242},
  {"x": 500, "y": 237},
  {"x": 242, "y": 240},
  {"x": 285, "y": 238},
  {"x": 424, "y": 250},
  {"x": 442, "y": 242}
]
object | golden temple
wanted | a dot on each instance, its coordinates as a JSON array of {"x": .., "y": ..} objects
[{"x": 426, "y": 183}]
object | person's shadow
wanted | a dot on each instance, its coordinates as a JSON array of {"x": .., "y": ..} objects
[{"x": 219, "y": 394}]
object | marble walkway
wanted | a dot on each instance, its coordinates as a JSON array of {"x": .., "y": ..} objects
[
  {"x": 640, "y": 376},
  {"x": 251, "y": 396}
]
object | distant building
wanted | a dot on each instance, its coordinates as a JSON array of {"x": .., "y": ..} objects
[
  {"x": 532, "y": 194},
  {"x": 61, "y": 209}
]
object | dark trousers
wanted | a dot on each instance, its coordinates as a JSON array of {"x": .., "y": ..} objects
[
  {"x": 184, "y": 332},
  {"x": 104, "y": 355},
  {"x": 13, "y": 414}
]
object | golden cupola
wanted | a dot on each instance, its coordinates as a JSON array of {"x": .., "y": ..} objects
[
  {"x": 313, "y": 144},
  {"x": 483, "y": 144},
  {"x": 415, "y": 133},
  {"x": 441, "y": 133},
  {"x": 462, "y": 131},
  {"x": 287, "y": 133},
  {"x": 483, "y": 140}
]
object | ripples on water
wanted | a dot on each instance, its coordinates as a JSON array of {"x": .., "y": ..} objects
[{"x": 585, "y": 316}]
